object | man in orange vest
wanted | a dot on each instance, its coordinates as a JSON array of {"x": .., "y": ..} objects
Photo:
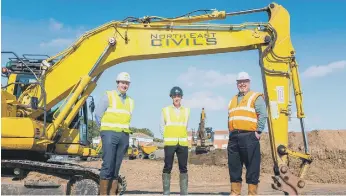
[{"x": 246, "y": 120}]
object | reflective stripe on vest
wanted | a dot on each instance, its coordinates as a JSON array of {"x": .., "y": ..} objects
[
  {"x": 115, "y": 125},
  {"x": 117, "y": 117},
  {"x": 243, "y": 116},
  {"x": 175, "y": 139},
  {"x": 175, "y": 131}
]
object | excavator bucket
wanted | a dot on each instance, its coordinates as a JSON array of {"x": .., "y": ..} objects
[{"x": 201, "y": 150}]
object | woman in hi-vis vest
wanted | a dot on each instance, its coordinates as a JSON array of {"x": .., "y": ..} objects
[{"x": 174, "y": 120}]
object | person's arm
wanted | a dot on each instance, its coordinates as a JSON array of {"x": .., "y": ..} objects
[
  {"x": 229, "y": 106},
  {"x": 101, "y": 108},
  {"x": 132, "y": 107},
  {"x": 261, "y": 110},
  {"x": 162, "y": 124},
  {"x": 187, "y": 123}
]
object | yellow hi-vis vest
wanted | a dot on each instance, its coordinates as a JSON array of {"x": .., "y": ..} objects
[
  {"x": 242, "y": 116},
  {"x": 117, "y": 117},
  {"x": 175, "y": 130}
]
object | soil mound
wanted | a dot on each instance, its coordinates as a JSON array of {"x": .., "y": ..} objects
[
  {"x": 217, "y": 157},
  {"x": 327, "y": 147}
]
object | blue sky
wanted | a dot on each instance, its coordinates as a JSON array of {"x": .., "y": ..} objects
[{"x": 317, "y": 32}]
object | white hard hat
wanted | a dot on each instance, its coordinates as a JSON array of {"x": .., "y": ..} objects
[
  {"x": 243, "y": 76},
  {"x": 124, "y": 76}
]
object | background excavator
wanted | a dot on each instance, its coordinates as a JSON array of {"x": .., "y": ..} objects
[
  {"x": 203, "y": 139},
  {"x": 134, "y": 151},
  {"x": 32, "y": 130}
]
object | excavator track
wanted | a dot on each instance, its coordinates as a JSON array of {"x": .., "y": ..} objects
[{"x": 82, "y": 180}]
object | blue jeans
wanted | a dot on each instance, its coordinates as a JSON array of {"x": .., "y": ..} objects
[{"x": 114, "y": 147}]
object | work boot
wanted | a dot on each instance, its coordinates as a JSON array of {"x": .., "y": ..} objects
[
  {"x": 166, "y": 182},
  {"x": 114, "y": 188},
  {"x": 252, "y": 189},
  {"x": 183, "y": 183},
  {"x": 104, "y": 187},
  {"x": 236, "y": 188}
]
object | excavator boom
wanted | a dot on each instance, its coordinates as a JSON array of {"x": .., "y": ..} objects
[{"x": 69, "y": 77}]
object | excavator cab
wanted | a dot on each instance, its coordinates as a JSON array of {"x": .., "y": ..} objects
[
  {"x": 21, "y": 72},
  {"x": 20, "y": 77}
]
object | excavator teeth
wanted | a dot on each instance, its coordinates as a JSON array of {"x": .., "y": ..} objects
[
  {"x": 274, "y": 186},
  {"x": 280, "y": 185}
]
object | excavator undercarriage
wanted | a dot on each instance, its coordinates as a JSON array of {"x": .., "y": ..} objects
[{"x": 64, "y": 177}]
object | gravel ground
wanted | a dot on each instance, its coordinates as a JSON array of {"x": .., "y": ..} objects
[
  {"x": 144, "y": 177},
  {"x": 208, "y": 174}
]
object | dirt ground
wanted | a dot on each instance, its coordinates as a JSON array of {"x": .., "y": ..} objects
[
  {"x": 208, "y": 173},
  {"x": 144, "y": 177},
  {"x": 327, "y": 148}
]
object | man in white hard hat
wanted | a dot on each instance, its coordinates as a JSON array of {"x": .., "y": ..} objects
[
  {"x": 246, "y": 121},
  {"x": 113, "y": 115}
]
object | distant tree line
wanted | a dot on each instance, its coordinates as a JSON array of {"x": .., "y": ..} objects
[
  {"x": 94, "y": 131},
  {"x": 142, "y": 130}
]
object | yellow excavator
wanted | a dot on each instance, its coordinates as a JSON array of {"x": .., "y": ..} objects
[
  {"x": 73, "y": 142},
  {"x": 67, "y": 79},
  {"x": 203, "y": 139},
  {"x": 134, "y": 151}
]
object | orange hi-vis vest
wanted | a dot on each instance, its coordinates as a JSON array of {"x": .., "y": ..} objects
[{"x": 242, "y": 116}]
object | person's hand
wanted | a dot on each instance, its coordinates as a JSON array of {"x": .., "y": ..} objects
[{"x": 258, "y": 135}]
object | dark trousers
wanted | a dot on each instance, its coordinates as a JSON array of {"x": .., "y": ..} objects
[
  {"x": 244, "y": 148},
  {"x": 114, "y": 147},
  {"x": 182, "y": 154}
]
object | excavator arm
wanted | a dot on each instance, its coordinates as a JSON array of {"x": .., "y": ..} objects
[
  {"x": 201, "y": 127},
  {"x": 70, "y": 76}
]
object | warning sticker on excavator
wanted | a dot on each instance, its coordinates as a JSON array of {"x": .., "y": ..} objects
[
  {"x": 280, "y": 94},
  {"x": 274, "y": 109}
]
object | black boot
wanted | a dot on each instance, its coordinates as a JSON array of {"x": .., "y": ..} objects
[
  {"x": 166, "y": 182},
  {"x": 183, "y": 183}
]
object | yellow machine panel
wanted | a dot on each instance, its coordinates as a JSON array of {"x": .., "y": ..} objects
[
  {"x": 20, "y": 128},
  {"x": 7, "y": 107}
]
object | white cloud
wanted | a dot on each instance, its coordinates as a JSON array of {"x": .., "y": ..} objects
[
  {"x": 323, "y": 70},
  {"x": 55, "y": 25},
  {"x": 47, "y": 36},
  {"x": 59, "y": 43},
  {"x": 206, "y": 78},
  {"x": 205, "y": 99}
]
